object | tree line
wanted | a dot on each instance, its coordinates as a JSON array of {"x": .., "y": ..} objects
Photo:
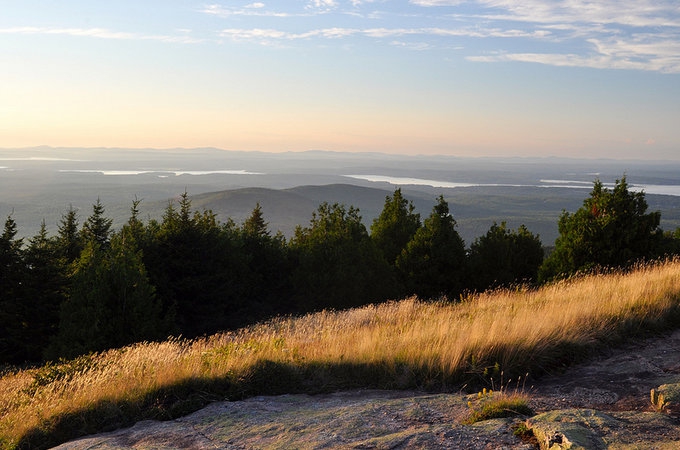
[{"x": 89, "y": 287}]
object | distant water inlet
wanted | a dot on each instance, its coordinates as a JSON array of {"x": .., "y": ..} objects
[
  {"x": 163, "y": 172},
  {"x": 657, "y": 189},
  {"x": 410, "y": 181}
]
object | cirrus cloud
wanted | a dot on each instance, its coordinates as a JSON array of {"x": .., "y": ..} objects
[{"x": 101, "y": 33}]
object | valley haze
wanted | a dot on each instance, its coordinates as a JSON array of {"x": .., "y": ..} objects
[{"x": 41, "y": 183}]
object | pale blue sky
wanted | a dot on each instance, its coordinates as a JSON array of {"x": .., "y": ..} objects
[{"x": 480, "y": 77}]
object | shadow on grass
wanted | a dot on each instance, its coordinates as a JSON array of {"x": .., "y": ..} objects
[
  {"x": 275, "y": 378},
  {"x": 264, "y": 378}
]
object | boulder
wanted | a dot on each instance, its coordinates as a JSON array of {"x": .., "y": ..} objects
[
  {"x": 588, "y": 429},
  {"x": 573, "y": 429}
]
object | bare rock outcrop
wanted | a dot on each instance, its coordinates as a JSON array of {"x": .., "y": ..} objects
[{"x": 608, "y": 402}]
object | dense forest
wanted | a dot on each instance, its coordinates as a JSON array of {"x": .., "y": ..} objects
[{"x": 89, "y": 287}]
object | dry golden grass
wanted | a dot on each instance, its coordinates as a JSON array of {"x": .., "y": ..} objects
[{"x": 403, "y": 344}]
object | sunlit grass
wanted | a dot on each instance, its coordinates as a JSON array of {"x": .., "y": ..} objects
[
  {"x": 397, "y": 345},
  {"x": 493, "y": 405}
]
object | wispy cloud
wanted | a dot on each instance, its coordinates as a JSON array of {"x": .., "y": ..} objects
[
  {"x": 221, "y": 11},
  {"x": 625, "y": 12},
  {"x": 419, "y": 46},
  {"x": 334, "y": 33},
  {"x": 100, "y": 33},
  {"x": 612, "y": 34},
  {"x": 256, "y": 9},
  {"x": 258, "y": 34},
  {"x": 322, "y": 4},
  {"x": 618, "y": 55},
  {"x": 616, "y": 34},
  {"x": 637, "y": 52}
]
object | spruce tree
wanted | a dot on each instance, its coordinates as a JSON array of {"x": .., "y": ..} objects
[
  {"x": 197, "y": 267},
  {"x": 611, "y": 229},
  {"x": 395, "y": 227},
  {"x": 503, "y": 256},
  {"x": 97, "y": 227},
  {"x": 337, "y": 264},
  {"x": 135, "y": 310},
  {"x": 85, "y": 321},
  {"x": 12, "y": 295},
  {"x": 433, "y": 262},
  {"x": 111, "y": 303},
  {"x": 267, "y": 290},
  {"x": 45, "y": 291},
  {"x": 69, "y": 244},
  {"x": 255, "y": 225}
]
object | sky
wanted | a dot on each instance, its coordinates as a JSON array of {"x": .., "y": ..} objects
[{"x": 453, "y": 77}]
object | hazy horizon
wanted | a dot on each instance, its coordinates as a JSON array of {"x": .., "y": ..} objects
[
  {"x": 633, "y": 159},
  {"x": 42, "y": 183}
]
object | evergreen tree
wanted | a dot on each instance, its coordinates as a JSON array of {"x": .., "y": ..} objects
[
  {"x": 611, "y": 229},
  {"x": 670, "y": 243},
  {"x": 433, "y": 262},
  {"x": 255, "y": 226},
  {"x": 10, "y": 258},
  {"x": 134, "y": 232},
  {"x": 137, "y": 313},
  {"x": 69, "y": 244},
  {"x": 84, "y": 320},
  {"x": 504, "y": 256},
  {"x": 97, "y": 227},
  {"x": 395, "y": 227},
  {"x": 267, "y": 290},
  {"x": 198, "y": 267},
  {"x": 112, "y": 303},
  {"x": 12, "y": 295},
  {"x": 337, "y": 264},
  {"x": 45, "y": 289}
]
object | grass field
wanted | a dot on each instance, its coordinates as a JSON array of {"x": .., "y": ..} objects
[{"x": 407, "y": 344}]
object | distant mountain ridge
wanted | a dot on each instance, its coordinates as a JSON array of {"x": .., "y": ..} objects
[
  {"x": 41, "y": 183},
  {"x": 474, "y": 209},
  {"x": 284, "y": 209}
]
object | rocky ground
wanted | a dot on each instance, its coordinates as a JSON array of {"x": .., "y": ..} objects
[{"x": 604, "y": 403}]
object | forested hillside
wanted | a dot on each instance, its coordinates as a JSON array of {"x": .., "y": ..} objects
[{"x": 91, "y": 287}]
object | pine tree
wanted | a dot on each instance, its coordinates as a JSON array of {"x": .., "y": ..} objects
[
  {"x": 46, "y": 289},
  {"x": 337, "y": 264},
  {"x": 12, "y": 295},
  {"x": 267, "y": 289},
  {"x": 135, "y": 310},
  {"x": 97, "y": 228},
  {"x": 504, "y": 256},
  {"x": 69, "y": 244},
  {"x": 255, "y": 225},
  {"x": 198, "y": 268},
  {"x": 611, "y": 229},
  {"x": 111, "y": 303},
  {"x": 433, "y": 262},
  {"x": 395, "y": 227},
  {"x": 85, "y": 323},
  {"x": 134, "y": 231}
]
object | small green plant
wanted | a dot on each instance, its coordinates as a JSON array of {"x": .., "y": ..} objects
[
  {"x": 524, "y": 431},
  {"x": 487, "y": 404}
]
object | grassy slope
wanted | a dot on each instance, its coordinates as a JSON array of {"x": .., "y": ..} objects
[{"x": 406, "y": 344}]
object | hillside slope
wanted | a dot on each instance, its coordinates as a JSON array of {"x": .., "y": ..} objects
[
  {"x": 475, "y": 209},
  {"x": 607, "y": 396}
]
